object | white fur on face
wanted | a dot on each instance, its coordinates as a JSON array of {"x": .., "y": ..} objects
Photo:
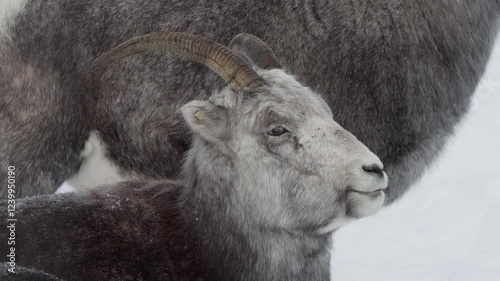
[
  {"x": 334, "y": 225},
  {"x": 9, "y": 9},
  {"x": 311, "y": 179}
]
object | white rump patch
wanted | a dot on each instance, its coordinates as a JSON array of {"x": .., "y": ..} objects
[
  {"x": 9, "y": 9},
  {"x": 65, "y": 188},
  {"x": 96, "y": 169}
]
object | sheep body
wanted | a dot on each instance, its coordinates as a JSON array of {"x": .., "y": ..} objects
[
  {"x": 98, "y": 236},
  {"x": 133, "y": 231}
]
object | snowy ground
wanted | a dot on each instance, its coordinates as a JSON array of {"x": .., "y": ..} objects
[{"x": 447, "y": 228}]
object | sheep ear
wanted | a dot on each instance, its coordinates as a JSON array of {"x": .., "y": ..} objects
[{"x": 207, "y": 120}]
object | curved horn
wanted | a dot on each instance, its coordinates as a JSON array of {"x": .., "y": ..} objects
[
  {"x": 255, "y": 50},
  {"x": 228, "y": 65}
]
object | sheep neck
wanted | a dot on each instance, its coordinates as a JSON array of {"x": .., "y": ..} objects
[{"x": 226, "y": 246}]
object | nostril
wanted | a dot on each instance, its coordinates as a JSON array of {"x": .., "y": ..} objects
[{"x": 374, "y": 168}]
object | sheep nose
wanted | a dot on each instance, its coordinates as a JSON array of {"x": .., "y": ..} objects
[{"x": 375, "y": 169}]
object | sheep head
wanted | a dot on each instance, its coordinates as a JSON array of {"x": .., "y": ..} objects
[{"x": 291, "y": 166}]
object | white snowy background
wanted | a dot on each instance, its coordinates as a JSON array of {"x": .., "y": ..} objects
[{"x": 447, "y": 228}]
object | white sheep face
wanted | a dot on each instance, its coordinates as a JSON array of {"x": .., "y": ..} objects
[{"x": 294, "y": 167}]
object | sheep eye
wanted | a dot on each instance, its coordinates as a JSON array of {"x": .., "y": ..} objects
[{"x": 277, "y": 131}]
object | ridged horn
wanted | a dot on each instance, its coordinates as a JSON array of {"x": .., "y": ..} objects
[
  {"x": 227, "y": 64},
  {"x": 255, "y": 50}
]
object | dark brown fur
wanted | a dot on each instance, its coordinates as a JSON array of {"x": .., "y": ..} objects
[{"x": 139, "y": 231}]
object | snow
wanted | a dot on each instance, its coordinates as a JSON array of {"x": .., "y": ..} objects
[{"x": 447, "y": 228}]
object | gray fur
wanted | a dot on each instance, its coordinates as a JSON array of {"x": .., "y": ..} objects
[
  {"x": 250, "y": 206},
  {"x": 398, "y": 74}
]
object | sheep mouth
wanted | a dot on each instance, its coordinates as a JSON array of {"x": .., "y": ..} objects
[{"x": 373, "y": 193}]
